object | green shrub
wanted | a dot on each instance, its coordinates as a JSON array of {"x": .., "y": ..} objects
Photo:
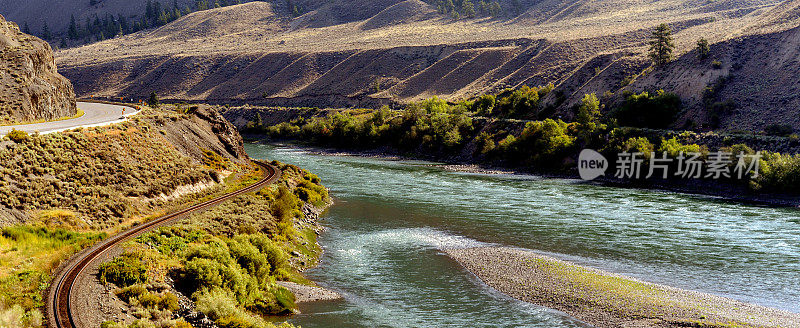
[
  {"x": 284, "y": 298},
  {"x": 131, "y": 292},
  {"x": 485, "y": 144},
  {"x": 779, "y": 173},
  {"x": 649, "y": 111},
  {"x": 169, "y": 302},
  {"x": 18, "y": 136},
  {"x": 125, "y": 270},
  {"x": 638, "y": 145},
  {"x": 109, "y": 324},
  {"x": 232, "y": 322},
  {"x": 780, "y": 130},
  {"x": 312, "y": 177},
  {"x": 545, "y": 143},
  {"x": 673, "y": 148},
  {"x": 214, "y": 160},
  {"x": 149, "y": 300},
  {"x": 523, "y": 102},
  {"x": 702, "y": 48},
  {"x": 484, "y": 105}
]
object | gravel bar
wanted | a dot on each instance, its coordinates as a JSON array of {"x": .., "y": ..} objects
[{"x": 604, "y": 299}]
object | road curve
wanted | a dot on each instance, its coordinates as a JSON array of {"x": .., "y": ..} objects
[
  {"x": 95, "y": 114},
  {"x": 59, "y": 311}
]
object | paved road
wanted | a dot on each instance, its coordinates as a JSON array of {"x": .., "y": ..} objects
[{"x": 95, "y": 114}]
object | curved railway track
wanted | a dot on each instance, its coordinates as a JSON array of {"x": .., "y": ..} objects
[{"x": 59, "y": 311}]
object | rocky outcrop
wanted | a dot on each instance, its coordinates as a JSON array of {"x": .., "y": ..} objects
[
  {"x": 30, "y": 87},
  {"x": 203, "y": 128}
]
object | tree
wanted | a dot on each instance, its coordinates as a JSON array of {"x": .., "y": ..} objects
[
  {"x": 26, "y": 29},
  {"x": 661, "y": 45},
  {"x": 88, "y": 28},
  {"x": 702, "y": 48},
  {"x": 72, "y": 32},
  {"x": 149, "y": 11},
  {"x": 153, "y": 100},
  {"x": 588, "y": 117},
  {"x": 46, "y": 32},
  {"x": 495, "y": 9},
  {"x": 468, "y": 9}
]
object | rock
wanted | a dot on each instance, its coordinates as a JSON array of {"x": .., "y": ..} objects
[
  {"x": 30, "y": 87},
  {"x": 227, "y": 132}
]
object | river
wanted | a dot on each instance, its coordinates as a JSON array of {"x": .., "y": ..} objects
[{"x": 392, "y": 218}]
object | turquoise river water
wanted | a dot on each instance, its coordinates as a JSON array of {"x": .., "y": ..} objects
[{"x": 391, "y": 219}]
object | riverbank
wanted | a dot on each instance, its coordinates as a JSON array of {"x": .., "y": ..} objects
[
  {"x": 605, "y": 299},
  {"x": 723, "y": 191}
]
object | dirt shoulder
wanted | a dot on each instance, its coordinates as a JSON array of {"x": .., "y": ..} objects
[{"x": 605, "y": 299}]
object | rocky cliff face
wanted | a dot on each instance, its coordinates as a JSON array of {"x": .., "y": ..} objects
[
  {"x": 203, "y": 128},
  {"x": 30, "y": 87}
]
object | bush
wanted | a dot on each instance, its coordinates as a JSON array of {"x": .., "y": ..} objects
[
  {"x": 523, "y": 102},
  {"x": 169, "y": 302},
  {"x": 214, "y": 160},
  {"x": 232, "y": 322},
  {"x": 131, "y": 292},
  {"x": 149, "y": 300},
  {"x": 16, "y": 317},
  {"x": 649, "y": 111},
  {"x": 638, "y": 145},
  {"x": 780, "y": 130},
  {"x": 18, "y": 136},
  {"x": 125, "y": 270},
  {"x": 545, "y": 142},
  {"x": 779, "y": 173},
  {"x": 673, "y": 148},
  {"x": 484, "y": 105},
  {"x": 312, "y": 177}
]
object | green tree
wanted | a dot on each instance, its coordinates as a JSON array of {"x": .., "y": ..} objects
[
  {"x": 702, "y": 48},
  {"x": 661, "y": 45},
  {"x": 26, "y": 29},
  {"x": 484, "y": 105},
  {"x": 588, "y": 117},
  {"x": 72, "y": 32},
  {"x": 149, "y": 12},
  {"x": 46, "y": 32},
  {"x": 153, "y": 100},
  {"x": 468, "y": 9}
]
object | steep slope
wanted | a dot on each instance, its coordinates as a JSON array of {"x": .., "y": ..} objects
[
  {"x": 30, "y": 87},
  {"x": 755, "y": 85},
  {"x": 349, "y": 53}
]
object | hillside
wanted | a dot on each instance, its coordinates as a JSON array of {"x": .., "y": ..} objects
[
  {"x": 347, "y": 53},
  {"x": 105, "y": 175},
  {"x": 57, "y": 14},
  {"x": 30, "y": 87}
]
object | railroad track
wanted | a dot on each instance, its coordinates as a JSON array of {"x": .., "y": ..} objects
[{"x": 59, "y": 311}]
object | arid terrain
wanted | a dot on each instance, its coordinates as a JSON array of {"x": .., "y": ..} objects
[{"x": 400, "y": 51}]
